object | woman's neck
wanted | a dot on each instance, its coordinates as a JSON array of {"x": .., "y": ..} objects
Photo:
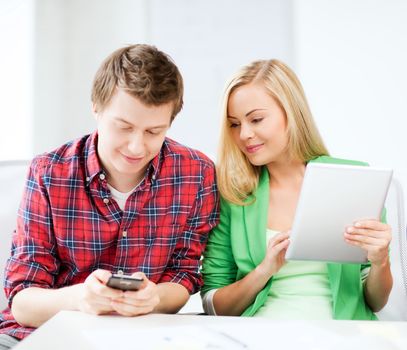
[{"x": 286, "y": 174}]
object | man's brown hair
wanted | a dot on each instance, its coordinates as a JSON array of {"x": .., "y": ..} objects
[{"x": 142, "y": 71}]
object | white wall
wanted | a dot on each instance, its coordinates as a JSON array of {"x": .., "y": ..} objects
[
  {"x": 351, "y": 57},
  {"x": 71, "y": 40},
  {"x": 16, "y": 113},
  {"x": 208, "y": 40}
]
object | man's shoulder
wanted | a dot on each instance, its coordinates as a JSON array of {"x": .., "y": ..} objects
[
  {"x": 185, "y": 155},
  {"x": 62, "y": 157}
]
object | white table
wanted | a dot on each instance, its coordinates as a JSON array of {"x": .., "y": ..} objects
[{"x": 76, "y": 331}]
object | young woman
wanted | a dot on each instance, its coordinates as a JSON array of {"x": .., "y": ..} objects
[{"x": 268, "y": 137}]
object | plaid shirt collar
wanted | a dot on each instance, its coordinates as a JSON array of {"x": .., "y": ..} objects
[{"x": 94, "y": 167}]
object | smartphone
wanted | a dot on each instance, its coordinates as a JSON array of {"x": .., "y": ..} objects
[{"x": 124, "y": 282}]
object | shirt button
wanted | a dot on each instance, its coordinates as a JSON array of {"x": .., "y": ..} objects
[
  {"x": 153, "y": 177},
  {"x": 102, "y": 176},
  {"x": 88, "y": 179},
  {"x": 106, "y": 200},
  {"x": 124, "y": 234},
  {"x": 120, "y": 272}
]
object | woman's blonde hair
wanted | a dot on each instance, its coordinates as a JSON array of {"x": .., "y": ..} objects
[{"x": 237, "y": 177}]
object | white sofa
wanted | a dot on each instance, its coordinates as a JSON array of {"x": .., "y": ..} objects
[
  {"x": 12, "y": 178},
  {"x": 396, "y": 308}
]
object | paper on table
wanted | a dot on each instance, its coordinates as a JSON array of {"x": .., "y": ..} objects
[
  {"x": 307, "y": 335},
  {"x": 219, "y": 336},
  {"x": 162, "y": 338}
]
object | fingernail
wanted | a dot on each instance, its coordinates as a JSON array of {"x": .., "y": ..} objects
[
  {"x": 358, "y": 224},
  {"x": 349, "y": 229}
]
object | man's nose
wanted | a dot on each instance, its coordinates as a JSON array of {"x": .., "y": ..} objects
[{"x": 136, "y": 144}]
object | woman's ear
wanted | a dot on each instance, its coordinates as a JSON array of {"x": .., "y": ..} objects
[{"x": 95, "y": 112}]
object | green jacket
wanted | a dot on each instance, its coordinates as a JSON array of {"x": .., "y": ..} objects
[{"x": 238, "y": 244}]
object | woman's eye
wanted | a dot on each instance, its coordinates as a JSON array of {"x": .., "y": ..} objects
[
  {"x": 257, "y": 120},
  {"x": 234, "y": 125}
]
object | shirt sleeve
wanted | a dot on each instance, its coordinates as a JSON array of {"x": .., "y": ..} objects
[
  {"x": 219, "y": 267},
  {"x": 33, "y": 261},
  {"x": 207, "y": 302},
  {"x": 184, "y": 264}
]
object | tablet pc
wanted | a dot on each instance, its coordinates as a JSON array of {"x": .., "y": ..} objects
[{"x": 333, "y": 197}]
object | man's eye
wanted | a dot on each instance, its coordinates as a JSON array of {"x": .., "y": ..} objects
[
  {"x": 152, "y": 132},
  {"x": 123, "y": 127}
]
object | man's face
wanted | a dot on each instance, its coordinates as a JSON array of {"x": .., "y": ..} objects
[{"x": 130, "y": 136}]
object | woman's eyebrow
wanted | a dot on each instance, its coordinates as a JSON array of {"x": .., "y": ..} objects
[{"x": 254, "y": 110}]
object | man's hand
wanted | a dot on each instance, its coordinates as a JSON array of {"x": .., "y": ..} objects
[
  {"x": 140, "y": 302},
  {"x": 94, "y": 297}
]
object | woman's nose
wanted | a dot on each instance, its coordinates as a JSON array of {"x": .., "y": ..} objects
[{"x": 246, "y": 132}]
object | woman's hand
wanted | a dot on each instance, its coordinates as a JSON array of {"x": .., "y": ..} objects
[
  {"x": 275, "y": 254},
  {"x": 372, "y": 236}
]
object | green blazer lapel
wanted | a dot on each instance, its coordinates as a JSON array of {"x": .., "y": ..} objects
[
  {"x": 335, "y": 280},
  {"x": 255, "y": 219}
]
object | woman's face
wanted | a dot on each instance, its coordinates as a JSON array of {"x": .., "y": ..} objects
[{"x": 258, "y": 125}]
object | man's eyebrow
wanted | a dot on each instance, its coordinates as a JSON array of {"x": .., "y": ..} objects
[
  {"x": 162, "y": 126},
  {"x": 122, "y": 120},
  {"x": 158, "y": 126}
]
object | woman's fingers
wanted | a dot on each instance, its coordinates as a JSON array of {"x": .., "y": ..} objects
[
  {"x": 278, "y": 244},
  {"x": 353, "y": 231},
  {"x": 372, "y": 224},
  {"x": 372, "y": 236},
  {"x": 279, "y": 237},
  {"x": 366, "y": 240}
]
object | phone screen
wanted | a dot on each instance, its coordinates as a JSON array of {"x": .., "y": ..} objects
[{"x": 124, "y": 282}]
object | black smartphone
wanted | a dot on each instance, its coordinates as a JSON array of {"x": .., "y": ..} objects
[{"x": 124, "y": 282}]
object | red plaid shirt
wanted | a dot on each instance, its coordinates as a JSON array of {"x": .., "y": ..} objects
[{"x": 68, "y": 225}]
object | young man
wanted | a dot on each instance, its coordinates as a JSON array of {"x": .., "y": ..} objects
[{"x": 124, "y": 199}]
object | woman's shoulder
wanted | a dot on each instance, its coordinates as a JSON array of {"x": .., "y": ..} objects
[
  {"x": 251, "y": 200},
  {"x": 226, "y": 206},
  {"x": 332, "y": 160}
]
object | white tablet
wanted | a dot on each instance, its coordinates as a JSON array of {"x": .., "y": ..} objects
[{"x": 333, "y": 197}]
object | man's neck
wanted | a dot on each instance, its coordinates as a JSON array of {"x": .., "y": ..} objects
[{"x": 125, "y": 183}]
